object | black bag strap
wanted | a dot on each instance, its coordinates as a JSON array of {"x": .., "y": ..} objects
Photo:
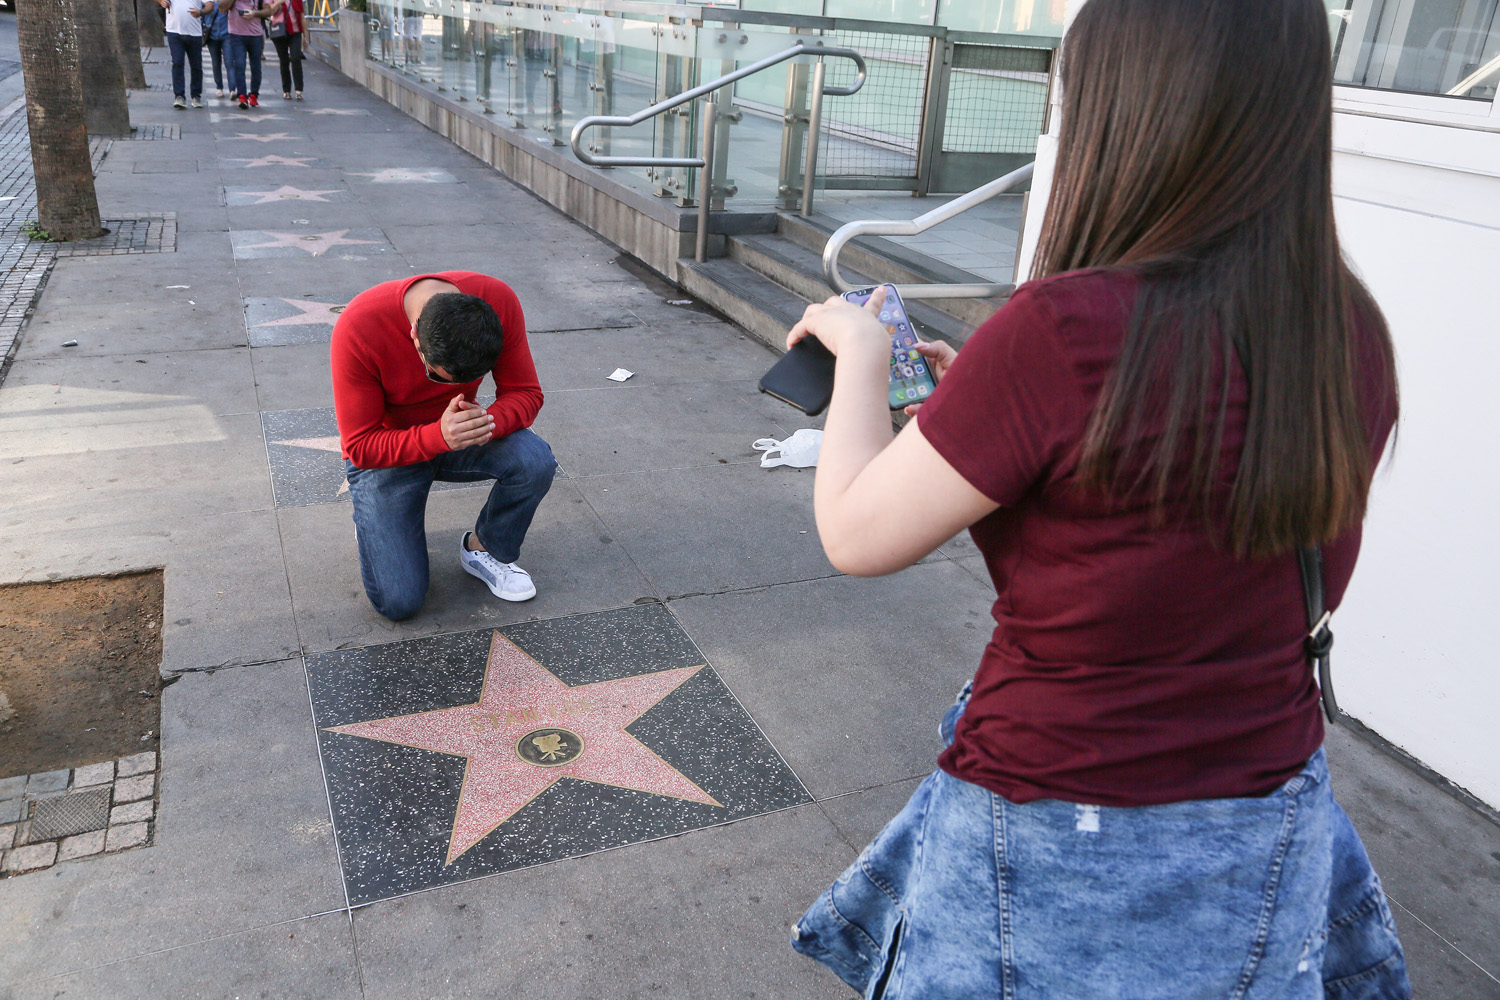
[{"x": 1319, "y": 636}]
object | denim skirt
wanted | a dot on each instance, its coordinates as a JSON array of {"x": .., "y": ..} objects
[{"x": 967, "y": 895}]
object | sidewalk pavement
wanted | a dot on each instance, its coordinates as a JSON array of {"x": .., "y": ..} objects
[{"x": 197, "y": 437}]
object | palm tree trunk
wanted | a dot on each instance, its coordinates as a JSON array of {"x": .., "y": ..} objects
[
  {"x": 130, "y": 45},
  {"x": 153, "y": 28},
  {"x": 104, "y": 105},
  {"x": 67, "y": 206}
]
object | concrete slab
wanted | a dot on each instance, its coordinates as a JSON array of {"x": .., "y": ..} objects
[
  {"x": 293, "y": 377},
  {"x": 222, "y": 379},
  {"x": 860, "y": 816},
  {"x": 848, "y": 677},
  {"x": 307, "y": 959},
  {"x": 240, "y": 805},
  {"x": 707, "y": 914},
  {"x": 328, "y": 278},
  {"x": 732, "y": 526},
  {"x": 144, "y": 452},
  {"x": 1437, "y": 858},
  {"x": 679, "y": 426},
  {"x": 681, "y": 353},
  {"x": 226, "y": 599},
  {"x": 577, "y": 567}
]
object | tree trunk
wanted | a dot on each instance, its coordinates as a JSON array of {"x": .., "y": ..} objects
[
  {"x": 153, "y": 25},
  {"x": 104, "y": 105},
  {"x": 130, "y": 45},
  {"x": 66, "y": 205}
]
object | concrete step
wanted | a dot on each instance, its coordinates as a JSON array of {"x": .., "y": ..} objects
[
  {"x": 765, "y": 309},
  {"x": 797, "y": 269},
  {"x": 886, "y": 260}
]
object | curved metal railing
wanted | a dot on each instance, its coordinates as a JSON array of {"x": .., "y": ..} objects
[
  {"x": 922, "y": 223},
  {"x": 812, "y": 47}
]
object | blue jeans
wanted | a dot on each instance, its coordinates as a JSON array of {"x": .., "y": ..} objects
[
  {"x": 242, "y": 47},
  {"x": 390, "y": 507},
  {"x": 967, "y": 895},
  {"x": 189, "y": 47}
]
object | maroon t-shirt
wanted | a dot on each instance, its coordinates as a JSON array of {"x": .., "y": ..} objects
[{"x": 1131, "y": 664}]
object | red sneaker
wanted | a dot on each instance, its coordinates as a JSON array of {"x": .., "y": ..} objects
[
  {"x": 243, "y": 101},
  {"x": 254, "y": 101}
]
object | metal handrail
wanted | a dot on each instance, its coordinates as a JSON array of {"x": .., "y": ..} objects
[
  {"x": 922, "y": 223},
  {"x": 814, "y": 47}
]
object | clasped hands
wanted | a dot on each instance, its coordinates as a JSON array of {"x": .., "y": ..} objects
[
  {"x": 847, "y": 329},
  {"x": 465, "y": 424}
]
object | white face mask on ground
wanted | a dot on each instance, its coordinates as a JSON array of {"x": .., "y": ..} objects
[{"x": 800, "y": 450}]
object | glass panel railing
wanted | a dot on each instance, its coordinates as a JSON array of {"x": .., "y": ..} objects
[
  {"x": 1447, "y": 47},
  {"x": 542, "y": 68}
]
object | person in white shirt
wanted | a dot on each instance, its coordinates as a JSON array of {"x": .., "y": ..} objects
[{"x": 185, "y": 38}]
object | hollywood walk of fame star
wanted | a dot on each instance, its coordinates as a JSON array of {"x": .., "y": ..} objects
[
  {"x": 223, "y": 116},
  {"x": 405, "y": 175},
  {"x": 311, "y": 313},
  {"x": 320, "y": 444},
  {"x": 286, "y": 192},
  {"x": 522, "y": 700},
  {"x": 336, "y": 111},
  {"x": 315, "y": 244},
  {"x": 276, "y": 161},
  {"x": 269, "y": 137}
]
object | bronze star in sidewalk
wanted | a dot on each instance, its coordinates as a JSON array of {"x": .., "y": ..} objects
[
  {"x": 270, "y": 137},
  {"x": 528, "y": 730},
  {"x": 286, "y": 192},
  {"x": 308, "y": 313},
  {"x": 274, "y": 161},
  {"x": 315, "y": 244}
]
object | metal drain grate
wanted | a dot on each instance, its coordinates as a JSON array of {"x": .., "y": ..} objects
[{"x": 65, "y": 815}]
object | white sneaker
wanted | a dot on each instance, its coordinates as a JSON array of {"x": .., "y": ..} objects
[{"x": 506, "y": 581}]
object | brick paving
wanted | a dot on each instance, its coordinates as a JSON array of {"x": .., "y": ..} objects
[{"x": 25, "y": 263}]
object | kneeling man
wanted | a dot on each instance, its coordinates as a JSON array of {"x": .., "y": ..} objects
[{"x": 408, "y": 357}]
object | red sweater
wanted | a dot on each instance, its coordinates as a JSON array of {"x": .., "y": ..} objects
[{"x": 387, "y": 407}]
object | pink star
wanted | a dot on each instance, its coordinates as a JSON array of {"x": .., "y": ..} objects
[
  {"x": 318, "y": 444},
  {"x": 286, "y": 192},
  {"x": 311, "y": 313},
  {"x": 315, "y": 244},
  {"x": 270, "y": 137},
  {"x": 528, "y": 729},
  {"x": 274, "y": 161},
  {"x": 336, "y": 111}
]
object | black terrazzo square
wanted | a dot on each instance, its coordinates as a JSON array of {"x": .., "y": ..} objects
[
  {"x": 307, "y": 463},
  {"x": 453, "y": 757}
]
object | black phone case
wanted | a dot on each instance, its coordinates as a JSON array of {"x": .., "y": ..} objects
[{"x": 803, "y": 377}]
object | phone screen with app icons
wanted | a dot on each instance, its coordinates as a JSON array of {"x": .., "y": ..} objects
[{"x": 911, "y": 379}]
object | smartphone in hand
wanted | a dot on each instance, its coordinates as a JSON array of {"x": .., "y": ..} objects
[{"x": 911, "y": 378}]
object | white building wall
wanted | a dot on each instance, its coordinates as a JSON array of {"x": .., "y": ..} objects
[{"x": 1417, "y": 196}]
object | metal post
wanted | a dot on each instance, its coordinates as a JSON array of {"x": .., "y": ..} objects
[
  {"x": 814, "y": 125},
  {"x": 706, "y": 177}
]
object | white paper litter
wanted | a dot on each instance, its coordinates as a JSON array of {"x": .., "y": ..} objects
[
  {"x": 179, "y": 286},
  {"x": 679, "y": 302},
  {"x": 619, "y": 375}
]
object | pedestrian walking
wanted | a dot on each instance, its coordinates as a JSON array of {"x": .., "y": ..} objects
[
  {"x": 286, "y": 30},
  {"x": 1163, "y": 447},
  {"x": 215, "y": 34},
  {"x": 247, "y": 43},
  {"x": 185, "y": 40}
]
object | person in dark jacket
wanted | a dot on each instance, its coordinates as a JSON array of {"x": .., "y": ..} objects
[
  {"x": 215, "y": 31},
  {"x": 287, "y": 29}
]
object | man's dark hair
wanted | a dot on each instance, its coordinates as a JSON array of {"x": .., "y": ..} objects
[{"x": 460, "y": 334}]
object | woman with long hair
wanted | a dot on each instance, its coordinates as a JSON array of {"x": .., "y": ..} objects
[{"x": 1194, "y": 387}]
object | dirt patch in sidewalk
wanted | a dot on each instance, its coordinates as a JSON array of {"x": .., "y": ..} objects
[{"x": 79, "y": 663}]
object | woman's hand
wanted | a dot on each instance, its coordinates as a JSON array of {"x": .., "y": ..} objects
[
  {"x": 939, "y": 358},
  {"x": 841, "y": 325}
]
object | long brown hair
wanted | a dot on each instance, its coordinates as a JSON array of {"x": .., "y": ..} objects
[{"x": 1196, "y": 151}]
